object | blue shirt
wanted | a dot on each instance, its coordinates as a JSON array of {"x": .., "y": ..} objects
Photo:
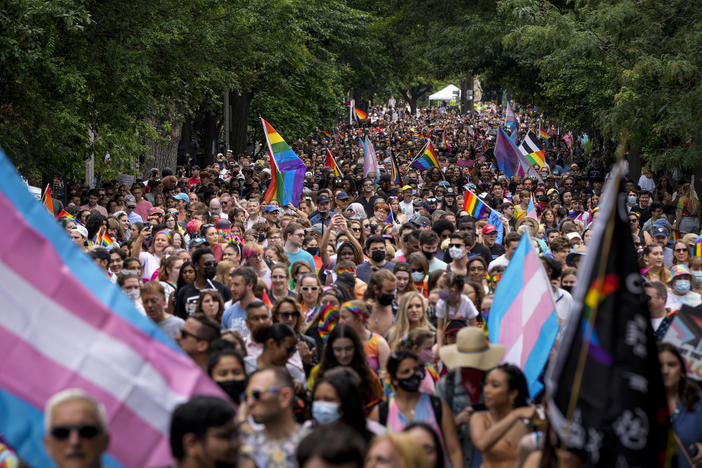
[
  {"x": 688, "y": 426},
  {"x": 234, "y": 318},
  {"x": 301, "y": 256},
  {"x": 364, "y": 270}
]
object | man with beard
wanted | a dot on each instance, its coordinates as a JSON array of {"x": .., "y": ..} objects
[
  {"x": 203, "y": 434},
  {"x": 242, "y": 281},
  {"x": 205, "y": 270}
]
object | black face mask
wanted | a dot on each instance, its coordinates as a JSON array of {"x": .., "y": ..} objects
[
  {"x": 428, "y": 255},
  {"x": 410, "y": 384},
  {"x": 210, "y": 272},
  {"x": 567, "y": 288},
  {"x": 378, "y": 256},
  {"x": 233, "y": 388},
  {"x": 314, "y": 251},
  {"x": 385, "y": 299}
]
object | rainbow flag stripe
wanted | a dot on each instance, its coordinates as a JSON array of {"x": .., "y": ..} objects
[
  {"x": 65, "y": 214},
  {"x": 327, "y": 135},
  {"x": 328, "y": 318},
  {"x": 474, "y": 206},
  {"x": 360, "y": 115},
  {"x": 697, "y": 250},
  {"x": 537, "y": 157},
  {"x": 428, "y": 158},
  {"x": 331, "y": 163},
  {"x": 544, "y": 134},
  {"x": 287, "y": 170}
]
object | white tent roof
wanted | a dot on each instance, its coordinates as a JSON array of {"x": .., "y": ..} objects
[{"x": 445, "y": 94}]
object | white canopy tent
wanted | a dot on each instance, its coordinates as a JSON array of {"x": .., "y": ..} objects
[{"x": 446, "y": 94}]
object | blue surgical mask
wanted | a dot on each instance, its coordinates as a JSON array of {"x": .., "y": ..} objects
[
  {"x": 418, "y": 276},
  {"x": 444, "y": 295},
  {"x": 698, "y": 276},
  {"x": 631, "y": 200},
  {"x": 682, "y": 286},
  {"x": 325, "y": 412}
]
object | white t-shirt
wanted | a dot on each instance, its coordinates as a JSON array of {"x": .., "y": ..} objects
[
  {"x": 149, "y": 264},
  {"x": 465, "y": 311}
]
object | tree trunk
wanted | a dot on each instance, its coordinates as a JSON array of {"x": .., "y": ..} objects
[
  {"x": 163, "y": 152},
  {"x": 241, "y": 105},
  {"x": 467, "y": 94},
  {"x": 634, "y": 162},
  {"x": 211, "y": 130}
]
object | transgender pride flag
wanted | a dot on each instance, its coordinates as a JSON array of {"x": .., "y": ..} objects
[
  {"x": 523, "y": 315},
  {"x": 63, "y": 324}
]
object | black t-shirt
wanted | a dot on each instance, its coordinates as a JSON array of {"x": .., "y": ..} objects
[
  {"x": 187, "y": 297},
  {"x": 483, "y": 251}
]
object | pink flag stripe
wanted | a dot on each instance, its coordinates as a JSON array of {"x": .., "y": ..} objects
[
  {"x": 175, "y": 368},
  {"x": 42, "y": 378},
  {"x": 533, "y": 326}
]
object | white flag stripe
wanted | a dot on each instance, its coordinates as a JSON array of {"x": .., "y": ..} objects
[{"x": 94, "y": 355}]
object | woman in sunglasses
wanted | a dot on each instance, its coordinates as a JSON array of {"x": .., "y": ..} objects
[
  {"x": 286, "y": 310},
  {"x": 681, "y": 254},
  {"x": 279, "y": 344},
  {"x": 309, "y": 288}
]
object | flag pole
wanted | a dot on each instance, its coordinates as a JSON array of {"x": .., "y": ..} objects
[{"x": 604, "y": 254}]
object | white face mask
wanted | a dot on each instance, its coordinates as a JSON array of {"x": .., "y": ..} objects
[
  {"x": 457, "y": 253},
  {"x": 133, "y": 294}
]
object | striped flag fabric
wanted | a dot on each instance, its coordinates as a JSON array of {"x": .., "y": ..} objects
[
  {"x": 543, "y": 134},
  {"x": 474, "y": 206},
  {"x": 360, "y": 115},
  {"x": 531, "y": 209},
  {"x": 523, "y": 314},
  {"x": 510, "y": 119},
  {"x": 330, "y": 162},
  {"x": 395, "y": 176},
  {"x": 697, "y": 250},
  {"x": 327, "y": 135},
  {"x": 65, "y": 214},
  {"x": 531, "y": 149},
  {"x": 507, "y": 155},
  {"x": 370, "y": 160},
  {"x": 495, "y": 220},
  {"x": 65, "y": 325},
  {"x": 287, "y": 170},
  {"x": 48, "y": 200},
  {"x": 427, "y": 159},
  {"x": 266, "y": 299}
]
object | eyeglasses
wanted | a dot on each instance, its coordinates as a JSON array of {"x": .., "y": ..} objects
[
  {"x": 85, "y": 431},
  {"x": 309, "y": 288},
  {"x": 681, "y": 250},
  {"x": 257, "y": 394},
  {"x": 185, "y": 333},
  {"x": 299, "y": 234},
  {"x": 457, "y": 246},
  {"x": 289, "y": 315},
  {"x": 356, "y": 229}
]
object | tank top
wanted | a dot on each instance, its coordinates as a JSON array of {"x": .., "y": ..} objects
[{"x": 371, "y": 350}]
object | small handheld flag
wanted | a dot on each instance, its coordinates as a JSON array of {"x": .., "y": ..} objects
[
  {"x": 474, "y": 206},
  {"x": 427, "y": 159},
  {"x": 330, "y": 162},
  {"x": 360, "y": 115},
  {"x": 531, "y": 149},
  {"x": 287, "y": 170},
  {"x": 48, "y": 201}
]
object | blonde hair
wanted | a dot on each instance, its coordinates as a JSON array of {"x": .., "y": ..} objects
[
  {"x": 410, "y": 452},
  {"x": 402, "y": 325}
]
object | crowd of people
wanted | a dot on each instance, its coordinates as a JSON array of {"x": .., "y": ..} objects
[{"x": 363, "y": 308}]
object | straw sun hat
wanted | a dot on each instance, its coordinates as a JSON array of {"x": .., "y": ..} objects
[{"x": 472, "y": 350}]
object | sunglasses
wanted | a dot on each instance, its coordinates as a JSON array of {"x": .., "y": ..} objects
[
  {"x": 289, "y": 315},
  {"x": 417, "y": 270},
  {"x": 184, "y": 333},
  {"x": 356, "y": 229},
  {"x": 309, "y": 288},
  {"x": 85, "y": 431},
  {"x": 457, "y": 246},
  {"x": 257, "y": 394},
  {"x": 681, "y": 250}
]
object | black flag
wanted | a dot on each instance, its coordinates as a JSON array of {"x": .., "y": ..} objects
[{"x": 605, "y": 392}]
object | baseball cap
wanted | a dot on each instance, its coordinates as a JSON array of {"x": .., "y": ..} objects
[
  {"x": 422, "y": 221},
  {"x": 315, "y": 229},
  {"x": 156, "y": 210},
  {"x": 342, "y": 196},
  {"x": 81, "y": 230},
  {"x": 223, "y": 224},
  {"x": 195, "y": 167},
  {"x": 182, "y": 196},
  {"x": 270, "y": 209},
  {"x": 407, "y": 187},
  {"x": 323, "y": 199},
  {"x": 573, "y": 235},
  {"x": 488, "y": 228},
  {"x": 129, "y": 200},
  {"x": 660, "y": 231}
]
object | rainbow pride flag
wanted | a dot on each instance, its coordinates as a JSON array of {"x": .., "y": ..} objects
[
  {"x": 697, "y": 250},
  {"x": 427, "y": 159},
  {"x": 287, "y": 170},
  {"x": 331, "y": 163},
  {"x": 266, "y": 299},
  {"x": 48, "y": 200},
  {"x": 65, "y": 214},
  {"x": 66, "y": 325},
  {"x": 327, "y": 135},
  {"x": 360, "y": 115},
  {"x": 328, "y": 318},
  {"x": 103, "y": 240},
  {"x": 474, "y": 206},
  {"x": 544, "y": 134}
]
